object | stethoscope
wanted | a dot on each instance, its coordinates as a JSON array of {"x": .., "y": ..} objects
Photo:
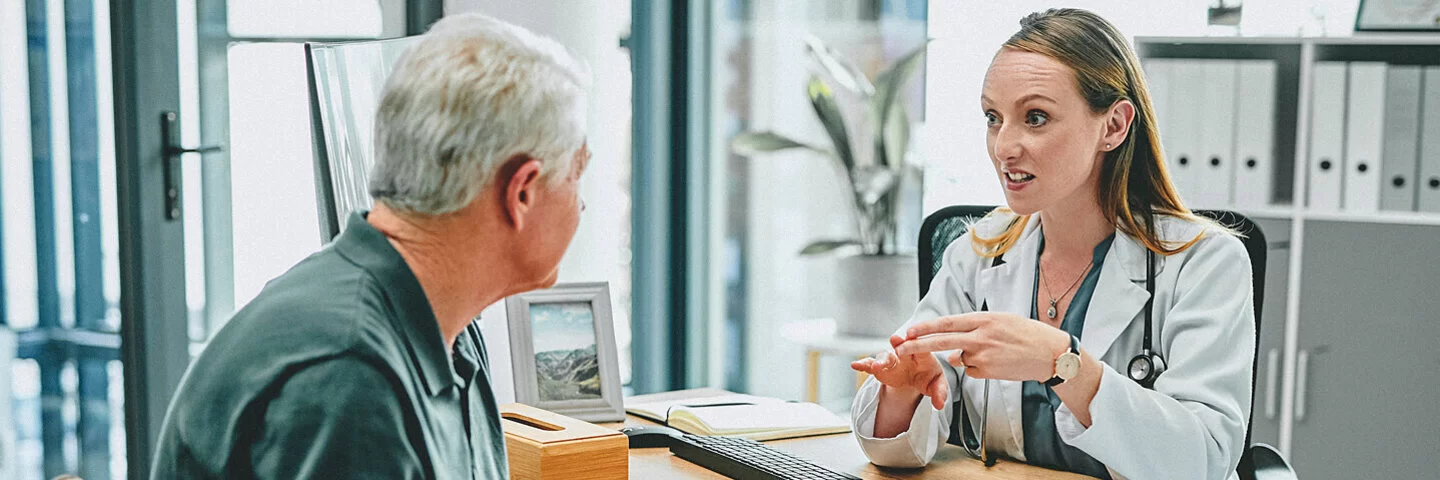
[
  {"x": 1149, "y": 364},
  {"x": 1144, "y": 369}
]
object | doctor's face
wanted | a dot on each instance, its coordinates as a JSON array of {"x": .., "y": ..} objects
[{"x": 1043, "y": 139}]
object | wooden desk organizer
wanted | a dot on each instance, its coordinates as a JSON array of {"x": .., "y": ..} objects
[{"x": 542, "y": 445}]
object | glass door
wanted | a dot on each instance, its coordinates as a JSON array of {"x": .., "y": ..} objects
[
  {"x": 61, "y": 398},
  {"x": 250, "y": 210}
]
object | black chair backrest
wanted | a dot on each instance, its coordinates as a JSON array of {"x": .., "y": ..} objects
[{"x": 950, "y": 223}]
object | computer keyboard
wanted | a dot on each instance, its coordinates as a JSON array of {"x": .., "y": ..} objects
[{"x": 745, "y": 459}]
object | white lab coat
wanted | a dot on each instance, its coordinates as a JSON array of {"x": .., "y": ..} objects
[{"x": 1191, "y": 426}]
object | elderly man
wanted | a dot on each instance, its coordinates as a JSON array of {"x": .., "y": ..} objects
[{"x": 362, "y": 360}]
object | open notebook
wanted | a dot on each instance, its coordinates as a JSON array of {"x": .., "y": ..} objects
[{"x": 749, "y": 416}]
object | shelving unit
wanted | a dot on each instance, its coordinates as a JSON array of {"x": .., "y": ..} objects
[
  {"x": 1382, "y": 217},
  {"x": 1347, "y": 292}
]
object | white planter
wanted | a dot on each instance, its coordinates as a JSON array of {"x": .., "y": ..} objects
[{"x": 875, "y": 294}]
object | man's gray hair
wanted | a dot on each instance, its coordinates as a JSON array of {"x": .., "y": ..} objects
[{"x": 471, "y": 94}]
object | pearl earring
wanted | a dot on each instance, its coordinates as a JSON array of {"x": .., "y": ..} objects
[{"x": 1107, "y": 146}]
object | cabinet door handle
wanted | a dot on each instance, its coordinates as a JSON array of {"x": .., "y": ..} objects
[
  {"x": 1272, "y": 376},
  {"x": 1302, "y": 370}
]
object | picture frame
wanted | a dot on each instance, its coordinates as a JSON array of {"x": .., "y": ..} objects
[
  {"x": 562, "y": 342},
  {"x": 1398, "y": 16}
]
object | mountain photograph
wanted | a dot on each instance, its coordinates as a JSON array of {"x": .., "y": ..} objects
[
  {"x": 568, "y": 374},
  {"x": 566, "y": 364}
]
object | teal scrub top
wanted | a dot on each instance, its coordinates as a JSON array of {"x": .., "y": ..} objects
[
  {"x": 336, "y": 370},
  {"x": 1043, "y": 446}
]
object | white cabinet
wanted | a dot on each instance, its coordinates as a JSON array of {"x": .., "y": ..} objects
[{"x": 1349, "y": 327}]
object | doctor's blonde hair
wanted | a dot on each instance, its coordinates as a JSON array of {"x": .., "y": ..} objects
[{"x": 1134, "y": 183}]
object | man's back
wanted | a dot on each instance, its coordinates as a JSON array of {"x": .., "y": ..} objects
[{"x": 337, "y": 369}]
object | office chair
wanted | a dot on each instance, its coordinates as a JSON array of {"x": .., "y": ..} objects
[
  {"x": 943, "y": 227},
  {"x": 346, "y": 80}
]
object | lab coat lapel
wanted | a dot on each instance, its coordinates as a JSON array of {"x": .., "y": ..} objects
[
  {"x": 1008, "y": 287},
  {"x": 1119, "y": 297}
]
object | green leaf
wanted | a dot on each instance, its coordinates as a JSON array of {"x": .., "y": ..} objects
[
  {"x": 843, "y": 70},
  {"x": 754, "y": 143},
  {"x": 896, "y": 137},
  {"x": 825, "y": 246},
  {"x": 829, "y": 112},
  {"x": 887, "y": 94}
]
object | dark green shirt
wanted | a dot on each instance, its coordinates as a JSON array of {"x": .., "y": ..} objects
[
  {"x": 1039, "y": 402},
  {"x": 336, "y": 370}
]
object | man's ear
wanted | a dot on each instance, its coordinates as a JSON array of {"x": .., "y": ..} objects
[
  {"x": 1117, "y": 124},
  {"x": 520, "y": 179}
]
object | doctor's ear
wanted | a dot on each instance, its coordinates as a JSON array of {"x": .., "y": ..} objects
[
  {"x": 1118, "y": 120},
  {"x": 519, "y": 181}
]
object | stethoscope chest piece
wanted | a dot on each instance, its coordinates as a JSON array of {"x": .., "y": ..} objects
[{"x": 1146, "y": 367}]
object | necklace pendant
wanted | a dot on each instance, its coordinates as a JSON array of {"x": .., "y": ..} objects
[{"x": 1051, "y": 312}]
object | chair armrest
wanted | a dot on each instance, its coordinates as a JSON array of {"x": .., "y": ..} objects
[{"x": 1264, "y": 462}]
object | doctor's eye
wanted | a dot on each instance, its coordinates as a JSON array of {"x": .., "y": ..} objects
[
  {"x": 991, "y": 119},
  {"x": 1036, "y": 118}
]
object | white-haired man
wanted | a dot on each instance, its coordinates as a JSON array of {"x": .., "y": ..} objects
[{"x": 362, "y": 360}]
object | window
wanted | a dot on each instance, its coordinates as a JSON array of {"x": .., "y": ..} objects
[
  {"x": 59, "y": 285},
  {"x": 251, "y": 212},
  {"x": 775, "y": 204}
]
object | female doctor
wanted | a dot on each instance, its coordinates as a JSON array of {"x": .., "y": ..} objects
[{"x": 1034, "y": 321}]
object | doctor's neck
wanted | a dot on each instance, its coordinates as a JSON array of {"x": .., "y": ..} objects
[{"x": 1073, "y": 229}]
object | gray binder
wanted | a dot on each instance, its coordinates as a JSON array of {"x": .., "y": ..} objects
[
  {"x": 1429, "y": 180},
  {"x": 1402, "y": 132}
]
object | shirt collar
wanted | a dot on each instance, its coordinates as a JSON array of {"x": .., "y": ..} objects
[{"x": 367, "y": 248}]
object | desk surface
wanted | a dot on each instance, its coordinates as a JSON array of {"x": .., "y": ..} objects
[{"x": 839, "y": 452}]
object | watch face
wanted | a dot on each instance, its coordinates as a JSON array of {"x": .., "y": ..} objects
[{"x": 1067, "y": 365}]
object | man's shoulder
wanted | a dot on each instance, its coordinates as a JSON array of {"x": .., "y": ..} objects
[
  {"x": 323, "y": 303},
  {"x": 323, "y": 308}
]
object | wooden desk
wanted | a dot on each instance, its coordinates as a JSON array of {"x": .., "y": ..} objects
[{"x": 839, "y": 452}]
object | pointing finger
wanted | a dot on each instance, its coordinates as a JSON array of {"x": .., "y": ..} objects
[
  {"x": 935, "y": 343},
  {"x": 948, "y": 324}
]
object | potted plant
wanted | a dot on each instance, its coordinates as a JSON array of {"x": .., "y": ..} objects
[{"x": 868, "y": 126}]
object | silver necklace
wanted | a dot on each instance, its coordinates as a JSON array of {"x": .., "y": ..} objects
[{"x": 1053, "y": 299}]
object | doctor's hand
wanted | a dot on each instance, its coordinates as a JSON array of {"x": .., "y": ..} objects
[
  {"x": 993, "y": 345},
  {"x": 911, "y": 374}
]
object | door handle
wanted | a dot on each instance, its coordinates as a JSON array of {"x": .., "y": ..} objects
[
  {"x": 172, "y": 151},
  {"x": 1272, "y": 374}
]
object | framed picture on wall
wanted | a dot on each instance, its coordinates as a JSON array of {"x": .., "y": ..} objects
[
  {"x": 1398, "y": 16},
  {"x": 562, "y": 350}
]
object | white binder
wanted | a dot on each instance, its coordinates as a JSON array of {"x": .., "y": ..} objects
[
  {"x": 1402, "y": 137},
  {"x": 1327, "y": 134},
  {"x": 1187, "y": 84},
  {"x": 1364, "y": 130},
  {"x": 1254, "y": 133},
  {"x": 1429, "y": 181},
  {"x": 1214, "y": 174},
  {"x": 1157, "y": 79}
]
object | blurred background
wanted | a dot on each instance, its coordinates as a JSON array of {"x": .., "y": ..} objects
[{"x": 698, "y": 236}]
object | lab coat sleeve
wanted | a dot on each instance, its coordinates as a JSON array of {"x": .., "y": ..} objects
[
  {"x": 929, "y": 428},
  {"x": 1192, "y": 425},
  {"x": 912, "y": 448}
]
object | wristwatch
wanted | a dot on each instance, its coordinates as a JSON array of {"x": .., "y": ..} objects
[{"x": 1067, "y": 365}]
